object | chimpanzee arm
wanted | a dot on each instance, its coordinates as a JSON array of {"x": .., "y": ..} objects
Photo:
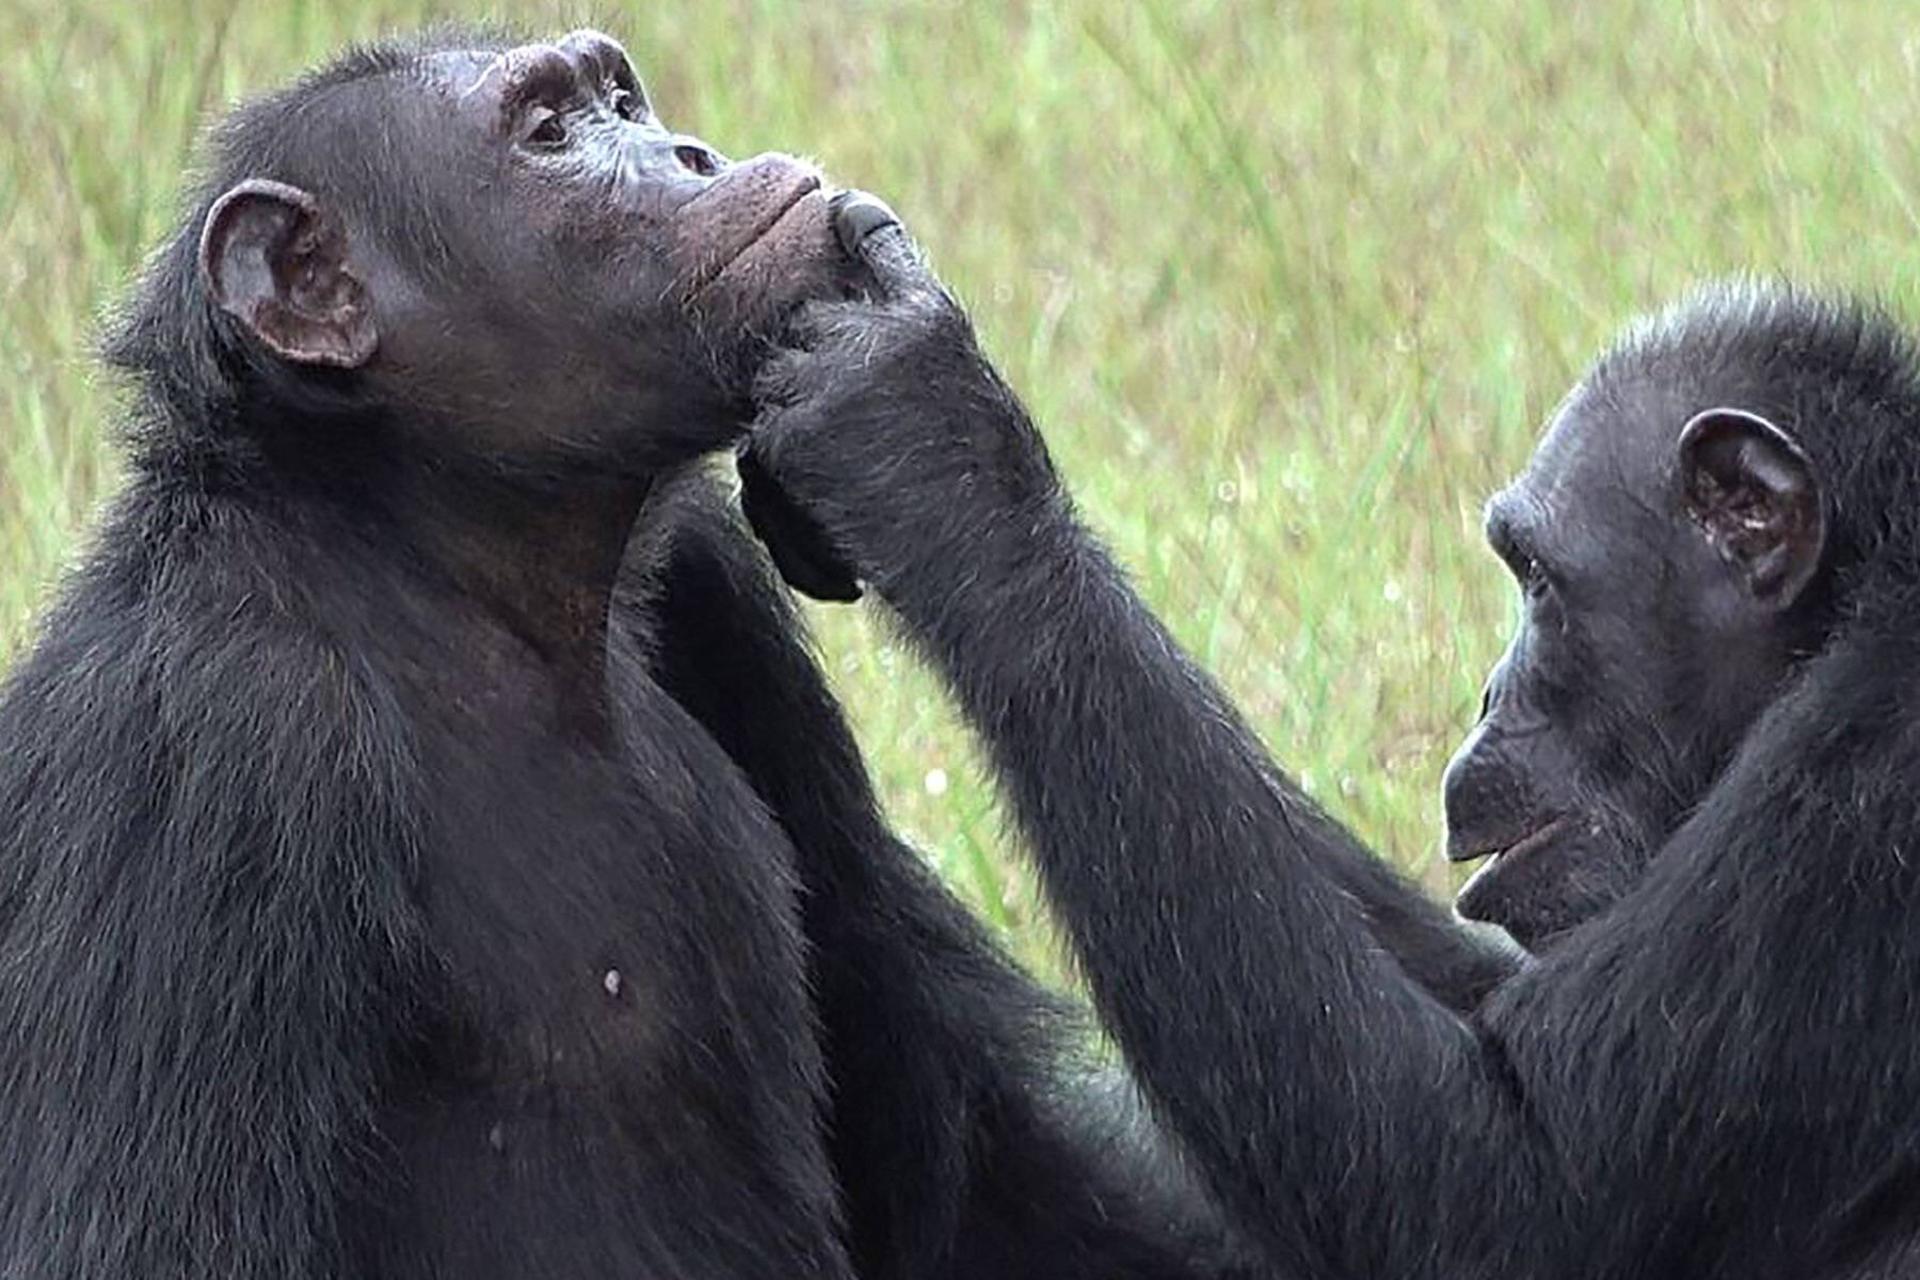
[
  {"x": 962, "y": 1147},
  {"x": 205, "y": 919},
  {"x": 1588, "y": 1120},
  {"x": 1457, "y": 964},
  {"x": 1174, "y": 853}
]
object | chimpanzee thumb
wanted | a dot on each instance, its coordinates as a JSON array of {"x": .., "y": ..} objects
[{"x": 871, "y": 234}]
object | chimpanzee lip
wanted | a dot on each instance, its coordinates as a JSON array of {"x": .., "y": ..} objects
[
  {"x": 808, "y": 183},
  {"x": 1482, "y": 897},
  {"x": 1542, "y": 836},
  {"x": 1537, "y": 838}
]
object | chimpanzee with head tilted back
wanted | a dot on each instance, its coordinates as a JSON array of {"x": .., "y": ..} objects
[{"x": 369, "y": 905}]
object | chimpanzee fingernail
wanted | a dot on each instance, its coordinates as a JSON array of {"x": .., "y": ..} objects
[{"x": 857, "y": 215}]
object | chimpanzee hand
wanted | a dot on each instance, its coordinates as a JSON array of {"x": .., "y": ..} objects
[{"x": 887, "y": 450}]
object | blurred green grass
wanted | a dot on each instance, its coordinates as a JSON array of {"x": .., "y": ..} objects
[{"x": 1291, "y": 285}]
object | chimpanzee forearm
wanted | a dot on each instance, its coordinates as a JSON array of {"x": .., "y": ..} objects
[
  {"x": 1162, "y": 830},
  {"x": 945, "y": 1059}
]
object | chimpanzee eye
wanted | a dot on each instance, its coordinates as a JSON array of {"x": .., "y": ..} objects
[
  {"x": 1533, "y": 578},
  {"x": 549, "y": 129},
  {"x": 625, "y": 104}
]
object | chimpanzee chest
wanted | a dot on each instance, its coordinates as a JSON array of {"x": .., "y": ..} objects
[
  {"x": 620, "y": 1033},
  {"x": 605, "y": 916}
]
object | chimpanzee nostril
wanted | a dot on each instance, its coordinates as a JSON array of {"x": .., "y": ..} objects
[{"x": 697, "y": 158}]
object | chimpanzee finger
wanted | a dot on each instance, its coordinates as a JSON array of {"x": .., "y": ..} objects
[
  {"x": 800, "y": 548},
  {"x": 872, "y": 235}
]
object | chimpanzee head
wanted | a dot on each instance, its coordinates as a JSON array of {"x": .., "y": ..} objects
[
  {"x": 496, "y": 251},
  {"x": 1677, "y": 558}
]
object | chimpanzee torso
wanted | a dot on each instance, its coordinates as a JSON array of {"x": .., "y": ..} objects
[{"x": 616, "y": 1020}]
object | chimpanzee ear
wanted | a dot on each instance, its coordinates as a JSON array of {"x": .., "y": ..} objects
[
  {"x": 1752, "y": 492},
  {"x": 275, "y": 260}
]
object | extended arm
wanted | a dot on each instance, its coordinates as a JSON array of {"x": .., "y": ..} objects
[
  {"x": 963, "y": 1147},
  {"x": 1349, "y": 1117}
]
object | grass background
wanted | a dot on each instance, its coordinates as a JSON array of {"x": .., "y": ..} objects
[{"x": 1290, "y": 284}]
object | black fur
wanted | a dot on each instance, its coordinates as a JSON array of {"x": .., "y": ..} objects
[
  {"x": 967, "y": 1136},
  {"x": 1719, "y": 1077},
  {"x": 360, "y": 917}
]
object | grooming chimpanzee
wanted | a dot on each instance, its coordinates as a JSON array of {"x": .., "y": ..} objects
[
  {"x": 368, "y": 906},
  {"x": 1718, "y": 1077},
  {"x": 1650, "y": 646}
]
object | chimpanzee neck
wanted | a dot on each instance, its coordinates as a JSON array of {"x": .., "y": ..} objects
[
  {"x": 537, "y": 559},
  {"x": 518, "y": 555}
]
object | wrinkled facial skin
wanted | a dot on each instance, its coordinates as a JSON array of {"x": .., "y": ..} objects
[
  {"x": 592, "y": 260},
  {"x": 1637, "y": 665}
]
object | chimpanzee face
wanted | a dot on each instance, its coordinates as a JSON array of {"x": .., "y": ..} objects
[
  {"x": 561, "y": 276},
  {"x": 1660, "y": 545}
]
